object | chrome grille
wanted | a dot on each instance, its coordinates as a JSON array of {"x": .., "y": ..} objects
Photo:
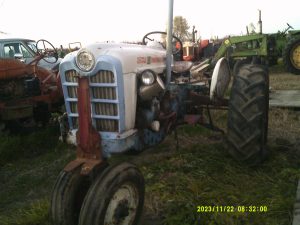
[
  {"x": 75, "y": 122},
  {"x": 103, "y": 76},
  {"x": 108, "y": 109},
  {"x": 104, "y": 99},
  {"x": 72, "y": 91},
  {"x": 72, "y": 76},
  {"x": 104, "y": 93},
  {"x": 73, "y": 107},
  {"x": 107, "y": 125},
  {"x": 107, "y": 93}
]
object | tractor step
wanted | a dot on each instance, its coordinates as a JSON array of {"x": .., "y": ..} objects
[{"x": 285, "y": 98}]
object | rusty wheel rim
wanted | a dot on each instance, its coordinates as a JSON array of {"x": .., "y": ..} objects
[
  {"x": 123, "y": 205},
  {"x": 295, "y": 56}
]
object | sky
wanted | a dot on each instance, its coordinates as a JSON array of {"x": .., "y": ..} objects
[{"x": 88, "y": 21}]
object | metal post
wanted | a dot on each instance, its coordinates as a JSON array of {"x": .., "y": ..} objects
[
  {"x": 169, "y": 42},
  {"x": 193, "y": 33},
  {"x": 259, "y": 22}
]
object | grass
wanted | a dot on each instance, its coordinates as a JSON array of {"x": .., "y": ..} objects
[
  {"x": 29, "y": 167},
  {"x": 35, "y": 214},
  {"x": 199, "y": 172},
  {"x": 204, "y": 174}
]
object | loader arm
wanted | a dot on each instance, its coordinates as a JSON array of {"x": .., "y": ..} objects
[{"x": 242, "y": 46}]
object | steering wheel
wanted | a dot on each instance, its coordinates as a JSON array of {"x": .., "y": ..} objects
[
  {"x": 46, "y": 49},
  {"x": 289, "y": 26},
  {"x": 175, "y": 49}
]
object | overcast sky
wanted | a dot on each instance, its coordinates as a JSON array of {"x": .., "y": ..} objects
[{"x": 64, "y": 21}]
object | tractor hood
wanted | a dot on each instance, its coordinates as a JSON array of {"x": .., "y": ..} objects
[{"x": 133, "y": 58}]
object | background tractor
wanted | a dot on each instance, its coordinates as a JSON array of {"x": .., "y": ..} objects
[
  {"x": 28, "y": 92},
  {"x": 128, "y": 97},
  {"x": 263, "y": 49},
  {"x": 258, "y": 48}
]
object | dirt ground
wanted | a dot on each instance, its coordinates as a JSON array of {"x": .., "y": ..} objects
[{"x": 284, "y": 123}]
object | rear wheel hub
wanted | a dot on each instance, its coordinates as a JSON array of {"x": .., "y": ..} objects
[{"x": 295, "y": 57}]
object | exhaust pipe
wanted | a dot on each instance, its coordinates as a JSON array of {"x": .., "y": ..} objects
[
  {"x": 259, "y": 22},
  {"x": 169, "y": 42}
]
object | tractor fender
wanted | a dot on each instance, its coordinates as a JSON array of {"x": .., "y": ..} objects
[{"x": 220, "y": 79}]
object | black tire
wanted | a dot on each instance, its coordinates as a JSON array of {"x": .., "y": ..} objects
[
  {"x": 67, "y": 197},
  {"x": 238, "y": 64},
  {"x": 99, "y": 201},
  {"x": 248, "y": 114},
  {"x": 291, "y": 56}
]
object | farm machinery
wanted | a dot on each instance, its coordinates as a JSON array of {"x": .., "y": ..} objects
[
  {"x": 257, "y": 47},
  {"x": 127, "y": 97},
  {"x": 263, "y": 49},
  {"x": 28, "y": 92}
]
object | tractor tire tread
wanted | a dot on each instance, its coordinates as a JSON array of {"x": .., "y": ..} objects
[{"x": 247, "y": 116}]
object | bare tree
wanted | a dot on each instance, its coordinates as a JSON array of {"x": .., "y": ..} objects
[{"x": 180, "y": 28}]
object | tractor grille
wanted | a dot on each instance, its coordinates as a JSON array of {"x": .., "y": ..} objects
[
  {"x": 103, "y": 76},
  {"x": 72, "y": 76},
  {"x": 104, "y": 93},
  {"x": 104, "y": 100},
  {"x": 107, "y": 125},
  {"x": 72, "y": 92},
  {"x": 106, "y": 109},
  {"x": 73, "y": 107},
  {"x": 75, "y": 122}
]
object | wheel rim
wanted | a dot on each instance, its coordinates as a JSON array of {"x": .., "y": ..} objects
[
  {"x": 123, "y": 205},
  {"x": 295, "y": 57}
]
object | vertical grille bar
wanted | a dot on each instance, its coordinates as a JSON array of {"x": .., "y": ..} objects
[
  {"x": 73, "y": 107},
  {"x": 72, "y": 91},
  {"x": 72, "y": 76}
]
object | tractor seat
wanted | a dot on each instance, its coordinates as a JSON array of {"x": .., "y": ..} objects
[
  {"x": 181, "y": 66},
  {"x": 11, "y": 53}
]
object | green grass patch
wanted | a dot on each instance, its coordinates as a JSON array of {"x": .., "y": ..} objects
[
  {"x": 36, "y": 214},
  {"x": 205, "y": 175},
  {"x": 14, "y": 147},
  {"x": 29, "y": 167}
]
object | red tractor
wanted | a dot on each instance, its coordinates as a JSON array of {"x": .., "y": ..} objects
[{"x": 28, "y": 92}]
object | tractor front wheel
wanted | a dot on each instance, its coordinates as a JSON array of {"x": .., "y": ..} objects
[
  {"x": 116, "y": 197},
  {"x": 67, "y": 197},
  {"x": 291, "y": 56},
  {"x": 248, "y": 114}
]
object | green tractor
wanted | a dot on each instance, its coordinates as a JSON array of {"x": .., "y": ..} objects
[
  {"x": 291, "y": 51},
  {"x": 263, "y": 49}
]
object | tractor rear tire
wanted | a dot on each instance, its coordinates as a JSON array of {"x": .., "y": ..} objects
[
  {"x": 291, "y": 56},
  {"x": 116, "y": 197},
  {"x": 238, "y": 64},
  {"x": 67, "y": 197},
  {"x": 248, "y": 114}
]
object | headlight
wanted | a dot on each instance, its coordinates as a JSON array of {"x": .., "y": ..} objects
[
  {"x": 85, "y": 60},
  {"x": 148, "y": 77}
]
